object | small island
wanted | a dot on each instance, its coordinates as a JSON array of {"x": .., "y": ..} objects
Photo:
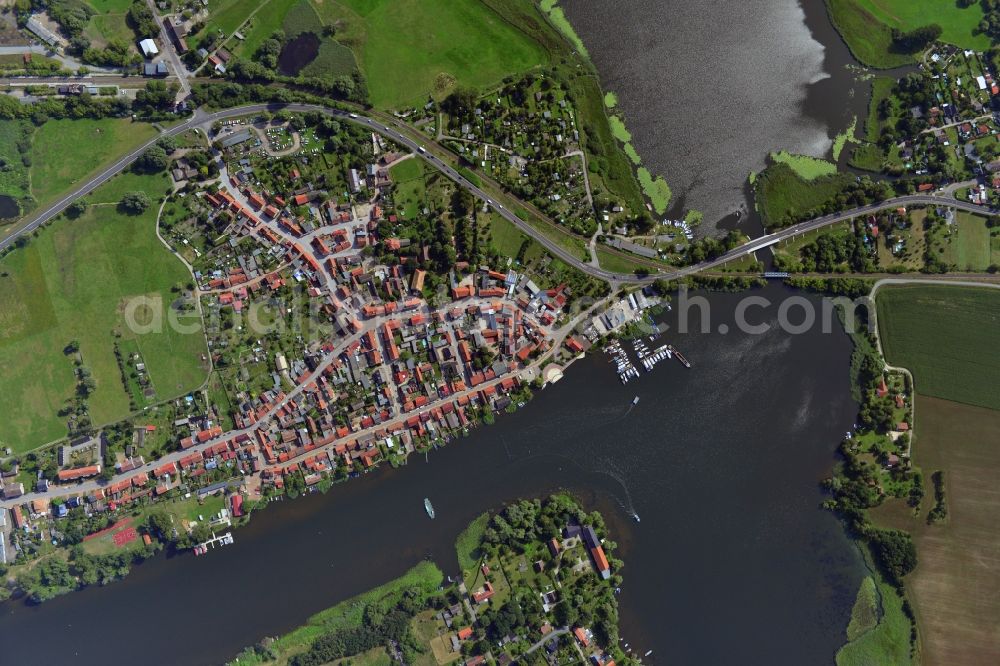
[{"x": 538, "y": 584}]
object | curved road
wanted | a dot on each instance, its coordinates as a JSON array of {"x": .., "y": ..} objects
[{"x": 200, "y": 117}]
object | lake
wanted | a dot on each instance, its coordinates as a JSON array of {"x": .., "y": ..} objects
[
  {"x": 709, "y": 88},
  {"x": 733, "y": 561},
  {"x": 8, "y": 207}
]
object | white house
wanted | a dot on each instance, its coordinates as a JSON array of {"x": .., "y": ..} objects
[{"x": 148, "y": 47}]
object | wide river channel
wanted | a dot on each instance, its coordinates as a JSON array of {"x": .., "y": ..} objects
[{"x": 733, "y": 560}]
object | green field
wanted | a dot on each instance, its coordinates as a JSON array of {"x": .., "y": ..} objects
[
  {"x": 409, "y": 49},
  {"x": 612, "y": 261},
  {"x": 959, "y": 26},
  {"x": 228, "y": 15},
  {"x": 947, "y": 337},
  {"x": 969, "y": 244},
  {"x": 410, "y": 188},
  {"x": 102, "y": 28},
  {"x": 72, "y": 283},
  {"x": 805, "y": 166},
  {"x": 269, "y": 18},
  {"x": 866, "y": 26},
  {"x": 868, "y": 38},
  {"x": 67, "y": 152}
]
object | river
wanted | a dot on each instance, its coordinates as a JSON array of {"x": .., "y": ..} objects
[
  {"x": 709, "y": 88},
  {"x": 733, "y": 561}
]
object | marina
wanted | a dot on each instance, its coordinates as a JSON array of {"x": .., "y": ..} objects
[
  {"x": 647, "y": 357},
  {"x": 223, "y": 540}
]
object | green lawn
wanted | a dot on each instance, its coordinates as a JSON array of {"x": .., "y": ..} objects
[
  {"x": 410, "y": 49},
  {"x": 67, "y": 152},
  {"x": 947, "y": 337},
  {"x": 72, "y": 283},
  {"x": 958, "y": 25}
]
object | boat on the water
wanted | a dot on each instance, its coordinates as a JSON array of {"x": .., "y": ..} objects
[
  {"x": 636, "y": 516},
  {"x": 429, "y": 508},
  {"x": 680, "y": 357},
  {"x": 635, "y": 400}
]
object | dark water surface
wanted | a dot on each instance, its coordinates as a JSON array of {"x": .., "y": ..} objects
[
  {"x": 733, "y": 562},
  {"x": 8, "y": 207},
  {"x": 298, "y": 53},
  {"x": 709, "y": 87}
]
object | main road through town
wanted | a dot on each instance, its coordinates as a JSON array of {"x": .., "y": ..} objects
[{"x": 202, "y": 118}]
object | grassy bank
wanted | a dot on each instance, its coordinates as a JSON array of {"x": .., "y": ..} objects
[
  {"x": 424, "y": 579},
  {"x": 782, "y": 195},
  {"x": 467, "y": 545},
  {"x": 73, "y": 283},
  {"x": 879, "y": 630},
  {"x": 868, "y": 38},
  {"x": 804, "y": 166},
  {"x": 946, "y": 336}
]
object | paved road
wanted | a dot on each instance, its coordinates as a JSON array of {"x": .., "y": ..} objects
[
  {"x": 169, "y": 52},
  {"x": 548, "y": 637},
  {"x": 201, "y": 117}
]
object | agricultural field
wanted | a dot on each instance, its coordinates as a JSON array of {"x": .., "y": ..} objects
[
  {"x": 95, "y": 144},
  {"x": 409, "y": 49},
  {"x": 73, "y": 282},
  {"x": 947, "y": 337},
  {"x": 959, "y": 566}
]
